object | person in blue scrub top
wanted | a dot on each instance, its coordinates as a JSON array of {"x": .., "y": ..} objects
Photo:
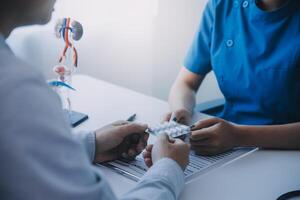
[{"x": 253, "y": 48}]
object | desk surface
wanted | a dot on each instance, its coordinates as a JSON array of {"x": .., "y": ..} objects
[{"x": 262, "y": 175}]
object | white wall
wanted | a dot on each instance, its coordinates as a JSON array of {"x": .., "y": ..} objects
[{"x": 139, "y": 44}]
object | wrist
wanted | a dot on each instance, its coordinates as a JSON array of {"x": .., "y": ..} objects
[
  {"x": 246, "y": 135},
  {"x": 238, "y": 135},
  {"x": 98, "y": 143},
  {"x": 169, "y": 159},
  {"x": 182, "y": 109},
  {"x": 189, "y": 111}
]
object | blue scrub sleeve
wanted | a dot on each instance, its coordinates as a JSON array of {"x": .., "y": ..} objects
[{"x": 198, "y": 57}]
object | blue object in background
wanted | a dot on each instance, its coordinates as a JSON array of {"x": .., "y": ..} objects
[
  {"x": 75, "y": 118},
  {"x": 61, "y": 84}
]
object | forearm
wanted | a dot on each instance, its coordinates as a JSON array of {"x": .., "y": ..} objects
[
  {"x": 182, "y": 97},
  {"x": 183, "y": 92},
  {"x": 274, "y": 137}
]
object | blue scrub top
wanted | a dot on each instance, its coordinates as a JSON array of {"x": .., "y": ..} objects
[{"x": 255, "y": 56}]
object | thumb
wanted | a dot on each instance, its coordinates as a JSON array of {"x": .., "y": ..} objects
[
  {"x": 181, "y": 145},
  {"x": 166, "y": 138},
  {"x": 131, "y": 128},
  {"x": 205, "y": 123},
  {"x": 163, "y": 138},
  {"x": 178, "y": 142}
]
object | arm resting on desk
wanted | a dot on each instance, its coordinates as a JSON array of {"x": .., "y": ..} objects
[
  {"x": 274, "y": 137},
  {"x": 221, "y": 136}
]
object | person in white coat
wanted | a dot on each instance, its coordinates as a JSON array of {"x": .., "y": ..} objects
[{"x": 40, "y": 157}]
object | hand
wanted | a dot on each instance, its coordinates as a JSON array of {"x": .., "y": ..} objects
[
  {"x": 120, "y": 139},
  {"x": 181, "y": 116},
  {"x": 165, "y": 147},
  {"x": 213, "y": 136}
]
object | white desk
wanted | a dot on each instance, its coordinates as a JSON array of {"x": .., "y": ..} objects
[{"x": 262, "y": 175}]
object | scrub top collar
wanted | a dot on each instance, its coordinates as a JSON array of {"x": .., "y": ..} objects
[{"x": 286, "y": 10}]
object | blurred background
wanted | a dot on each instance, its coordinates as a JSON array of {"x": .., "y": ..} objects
[{"x": 138, "y": 44}]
